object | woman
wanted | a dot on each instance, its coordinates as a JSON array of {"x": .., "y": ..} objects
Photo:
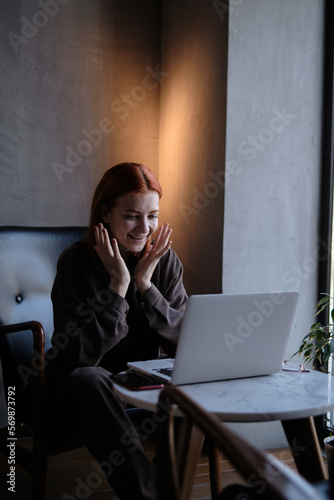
[{"x": 118, "y": 296}]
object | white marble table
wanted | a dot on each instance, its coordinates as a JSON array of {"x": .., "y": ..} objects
[
  {"x": 282, "y": 396},
  {"x": 291, "y": 397}
]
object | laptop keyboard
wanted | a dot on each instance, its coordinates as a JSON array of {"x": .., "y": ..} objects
[{"x": 164, "y": 371}]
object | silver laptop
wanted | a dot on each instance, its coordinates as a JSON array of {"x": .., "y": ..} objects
[{"x": 227, "y": 336}]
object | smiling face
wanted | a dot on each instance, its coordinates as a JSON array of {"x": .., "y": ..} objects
[{"x": 132, "y": 220}]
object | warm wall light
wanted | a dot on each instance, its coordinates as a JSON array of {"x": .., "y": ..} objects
[{"x": 192, "y": 145}]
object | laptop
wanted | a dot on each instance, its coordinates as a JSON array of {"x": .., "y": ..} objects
[{"x": 228, "y": 336}]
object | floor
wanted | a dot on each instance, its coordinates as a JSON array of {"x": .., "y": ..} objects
[{"x": 72, "y": 476}]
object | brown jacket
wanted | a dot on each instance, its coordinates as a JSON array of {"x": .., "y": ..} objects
[{"x": 96, "y": 327}]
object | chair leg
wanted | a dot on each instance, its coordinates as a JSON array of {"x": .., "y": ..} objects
[
  {"x": 304, "y": 445},
  {"x": 215, "y": 464},
  {"x": 188, "y": 450}
]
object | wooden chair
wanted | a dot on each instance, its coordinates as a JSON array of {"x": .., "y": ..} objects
[
  {"x": 177, "y": 458},
  {"x": 30, "y": 416}
]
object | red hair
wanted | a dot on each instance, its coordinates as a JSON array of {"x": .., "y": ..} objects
[{"x": 117, "y": 181}]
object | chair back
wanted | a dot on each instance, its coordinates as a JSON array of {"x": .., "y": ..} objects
[
  {"x": 28, "y": 263},
  {"x": 259, "y": 469}
]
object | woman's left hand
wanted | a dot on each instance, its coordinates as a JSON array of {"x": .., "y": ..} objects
[{"x": 146, "y": 265}]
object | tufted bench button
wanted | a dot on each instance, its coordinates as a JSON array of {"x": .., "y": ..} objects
[{"x": 18, "y": 299}]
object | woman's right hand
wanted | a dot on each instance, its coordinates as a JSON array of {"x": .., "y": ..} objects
[{"x": 112, "y": 260}]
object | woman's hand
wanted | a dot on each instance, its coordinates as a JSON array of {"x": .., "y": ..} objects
[
  {"x": 112, "y": 260},
  {"x": 146, "y": 265}
]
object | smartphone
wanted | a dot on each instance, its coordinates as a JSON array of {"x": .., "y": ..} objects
[{"x": 136, "y": 381}]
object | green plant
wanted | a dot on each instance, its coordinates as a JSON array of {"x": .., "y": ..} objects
[{"x": 318, "y": 345}]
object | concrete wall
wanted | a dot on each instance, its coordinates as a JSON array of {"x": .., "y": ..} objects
[
  {"x": 273, "y": 139},
  {"x": 79, "y": 92},
  {"x": 274, "y": 136},
  {"x": 192, "y": 136}
]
